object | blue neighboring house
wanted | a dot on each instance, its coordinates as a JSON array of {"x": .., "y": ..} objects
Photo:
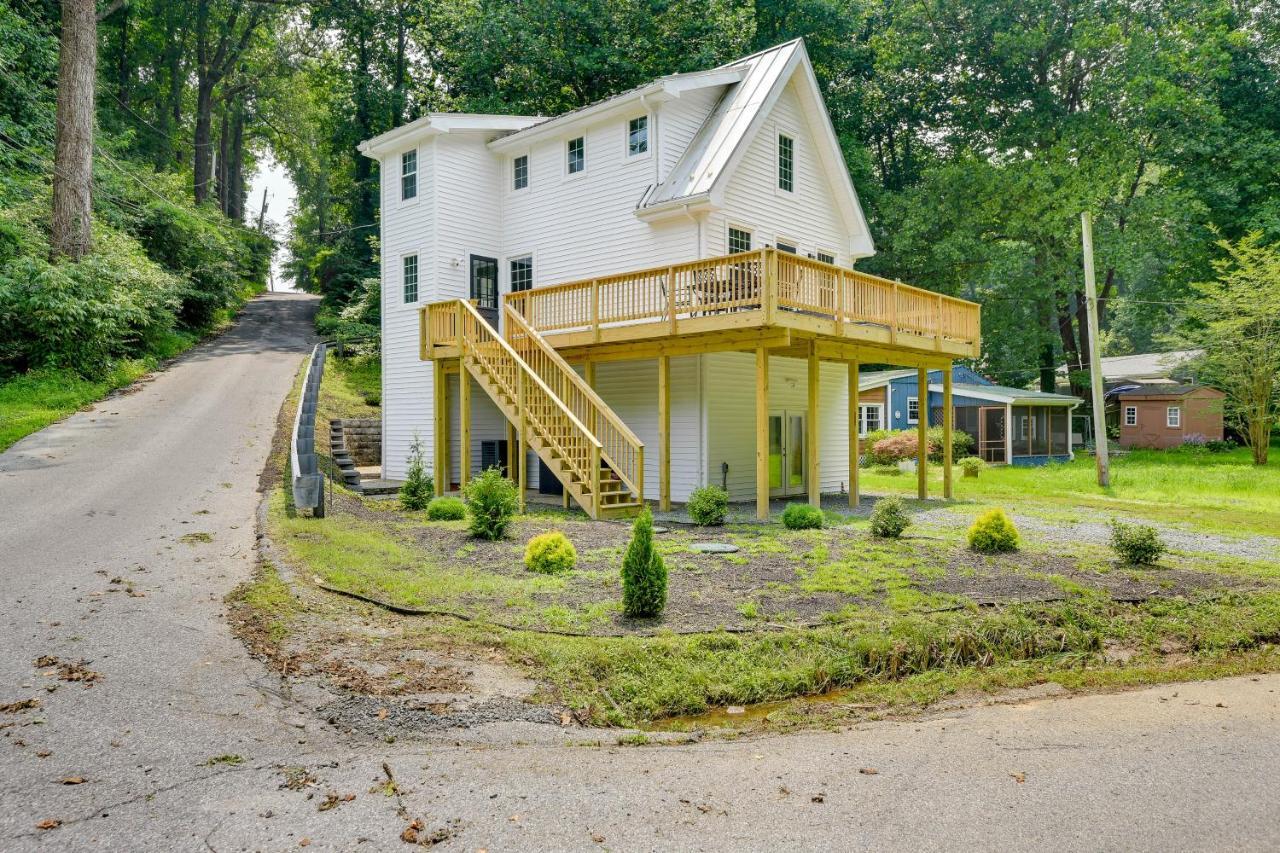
[{"x": 1008, "y": 425}]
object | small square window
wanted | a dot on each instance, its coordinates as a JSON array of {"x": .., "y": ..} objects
[
  {"x": 637, "y": 136},
  {"x": 1130, "y": 415},
  {"x": 520, "y": 172},
  {"x": 739, "y": 241},
  {"x": 913, "y": 410},
  {"x": 408, "y": 175},
  {"x": 823, "y": 257},
  {"x": 786, "y": 247},
  {"x": 521, "y": 274},
  {"x": 786, "y": 163},
  {"x": 577, "y": 155},
  {"x": 410, "y": 279},
  {"x": 1173, "y": 417}
]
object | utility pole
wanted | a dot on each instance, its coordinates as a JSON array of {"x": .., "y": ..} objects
[
  {"x": 262, "y": 214},
  {"x": 1095, "y": 360}
]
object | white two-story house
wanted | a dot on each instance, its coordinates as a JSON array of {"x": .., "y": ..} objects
[{"x": 649, "y": 294}]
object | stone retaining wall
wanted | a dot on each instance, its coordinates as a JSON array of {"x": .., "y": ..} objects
[{"x": 363, "y": 437}]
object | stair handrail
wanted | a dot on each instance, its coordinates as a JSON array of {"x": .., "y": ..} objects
[{"x": 634, "y": 479}]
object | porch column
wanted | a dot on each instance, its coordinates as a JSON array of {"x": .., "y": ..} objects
[
  {"x": 948, "y": 423},
  {"x": 664, "y": 433},
  {"x": 522, "y": 485},
  {"x": 512, "y": 443},
  {"x": 855, "y": 426},
  {"x": 922, "y": 432},
  {"x": 762, "y": 433},
  {"x": 464, "y": 412},
  {"x": 440, "y": 427},
  {"x": 811, "y": 430}
]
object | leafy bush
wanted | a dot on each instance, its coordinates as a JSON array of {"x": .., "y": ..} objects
[
  {"x": 1195, "y": 439},
  {"x": 492, "y": 501},
  {"x": 550, "y": 553},
  {"x": 1138, "y": 544},
  {"x": 446, "y": 509},
  {"x": 899, "y": 446},
  {"x": 905, "y": 444},
  {"x": 993, "y": 533},
  {"x": 708, "y": 505},
  {"x": 1215, "y": 445},
  {"x": 418, "y": 485},
  {"x": 887, "y": 470},
  {"x": 644, "y": 575},
  {"x": 802, "y": 517},
  {"x": 889, "y": 517},
  {"x": 972, "y": 465}
]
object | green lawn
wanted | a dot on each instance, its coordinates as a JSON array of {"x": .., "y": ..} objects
[{"x": 350, "y": 388}]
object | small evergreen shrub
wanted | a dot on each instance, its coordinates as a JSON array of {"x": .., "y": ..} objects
[
  {"x": 1215, "y": 445},
  {"x": 889, "y": 517},
  {"x": 446, "y": 509},
  {"x": 491, "y": 504},
  {"x": 1137, "y": 544},
  {"x": 802, "y": 517},
  {"x": 550, "y": 553},
  {"x": 887, "y": 470},
  {"x": 708, "y": 505},
  {"x": 972, "y": 465},
  {"x": 644, "y": 575},
  {"x": 418, "y": 486},
  {"x": 993, "y": 533}
]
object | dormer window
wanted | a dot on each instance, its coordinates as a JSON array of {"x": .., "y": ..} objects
[
  {"x": 577, "y": 152},
  {"x": 786, "y": 163},
  {"x": 637, "y": 136},
  {"x": 520, "y": 172},
  {"x": 409, "y": 175}
]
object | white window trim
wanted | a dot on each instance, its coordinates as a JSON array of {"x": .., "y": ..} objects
[
  {"x": 736, "y": 226},
  {"x": 780, "y": 130},
  {"x": 835, "y": 256},
  {"x": 863, "y": 410},
  {"x": 1172, "y": 414},
  {"x": 417, "y": 178},
  {"x": 782, "y": 238},
  {"x": 416, "y": 304},
  {"x": 627, "y": 156},
  {"x": 511, "y": 171},
  {"x": 1130, "y": 410},
  {"x": 564, "y": 157},
  {"x": 916, "y": 419},
  {"x": 504, "y": 274}
]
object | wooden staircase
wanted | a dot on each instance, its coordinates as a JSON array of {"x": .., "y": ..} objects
[{"x": 599, "y": 461}]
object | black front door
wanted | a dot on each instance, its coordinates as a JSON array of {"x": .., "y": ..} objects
[{"x": 484, "y": 287}]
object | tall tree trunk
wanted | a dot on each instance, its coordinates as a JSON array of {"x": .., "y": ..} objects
[
  {"x": 71, "y": 234},
  {"x": 235, "y": 165},
  {"x": 203, "y": 169},
  {"x": 124, "y": 68},
  {"x": 222, "y": 182}
]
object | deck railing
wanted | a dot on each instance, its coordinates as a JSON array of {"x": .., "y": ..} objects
[{"x": 764, "y": 279}]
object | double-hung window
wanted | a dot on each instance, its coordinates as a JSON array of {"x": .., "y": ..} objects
[
  {"x": 1173, "y": 417},
  {"x": 1130, "y": 415},
  {"x": 637, "y": 136},
  {"x": 521, "y": 273},
  {"x": 409, "y": 175},
  {"x": 410, "y": 279},
  {"x": 869, "y": 418},
  {"x": 739, "y": 241},
  {"x": 786, "y": 163},
  {"x": 577, "y": 153},
  {"x": 913, "y": 410},
  {"x": 520, "y": 172}
]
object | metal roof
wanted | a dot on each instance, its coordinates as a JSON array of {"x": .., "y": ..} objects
[
  {"x": 1145, "y": 365},
  {"x": 1005, "y": 394}
]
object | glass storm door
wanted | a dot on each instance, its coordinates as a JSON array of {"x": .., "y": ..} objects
[
  {"x": 786, "y": 454},
  {"x": 484, "y": 287}
]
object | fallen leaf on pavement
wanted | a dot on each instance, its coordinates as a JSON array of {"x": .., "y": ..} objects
[
  {"x": 20, "y": 705},
  {"x": 382, "y": 713},
  {"x": 818, "y": 798},
  {"x": 410, "y": 834},
  {"x": 49, "y": 823},
  {"x": 1019, "y": 777},
  {"x": 868, "y": 771},
  {"x": 597, "y": 838},
  {"x": 565, "y": 718},
  {"x": 73, "y": 780}
]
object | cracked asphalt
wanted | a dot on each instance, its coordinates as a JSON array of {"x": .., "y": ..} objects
[{"x": 182, "y": 741}]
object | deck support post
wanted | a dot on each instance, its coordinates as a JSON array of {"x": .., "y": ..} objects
[
  {"x": 948, "y": 424},
  {"x": 813, "y": 474},
  {"x": 589, "y": 376},
  {"x": 440, "y": 427},
  {"x": 762, "y": 433},
  {"x": 524, "y": 438},
  {"x": 664, "y": 433},
  {"x": 922, "y": 432},
  {"x": 855, "y": 427},
  {"x": 464, "y": 412},
  {"x": 512, "y": 440}
]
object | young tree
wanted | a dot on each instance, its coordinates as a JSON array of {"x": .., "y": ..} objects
[
  {"x": 1237, "y": 321},
  {"x": 70, "y": 232}
]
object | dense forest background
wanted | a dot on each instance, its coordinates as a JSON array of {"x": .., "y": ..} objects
[{"x": 976, "y": 132}]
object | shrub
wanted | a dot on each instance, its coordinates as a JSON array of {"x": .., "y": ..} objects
[
  {"x": 1195, "y": 440},
  {"x": 1215, "y": 445},
  {"x": 1138, "y": 544},
  {"x": 899, "y": 446},
  {"x": 904, "y": 445},
  {"x": 802, "y": 517},
  {"x": 418, "y": 485},
  {"x": 446, "y": 509},
  {"x": 972, "y": 465},
  {"x": 708, "y": 505},
  {"x": 550, "y": 553},
  {"x": 889, "y": 517},
  {"x": 887, "y": 470},
  {"x": 644, "y": 576},
  {"x": 993, "y": 533},
  {"x": 492, "y": 502}
]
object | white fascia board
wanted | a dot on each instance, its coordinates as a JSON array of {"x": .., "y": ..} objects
[
  {"x": 675, "y": 207},
  {"x": 1007, "y": 398},
  {"x": 436, "y": 123}
]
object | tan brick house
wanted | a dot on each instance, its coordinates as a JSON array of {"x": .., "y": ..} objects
[{"x": 1163, "y": 416}]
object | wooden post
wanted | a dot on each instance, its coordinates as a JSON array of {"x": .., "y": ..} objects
[
  {"x": 762, "y": 433},
  {"x": 595, "y": 310},
  {"x": 937, "y": 325},
  {"x": 589, "y": 376},
  {"x": 855, "y": 427},
  {"x": 671, "y": 298},
  {"x": 839, "y": 306},
  {"x": 1100, "y": 450},
  {"x": 595, "y": 481},
  {"x": 511, "y": 451},
  {"x": 769, "y": 291},
  {"x": 813, "y": 474},
  {"x": 664, "y": 433},
  {"x": 464, "y": 412},
  {"x": 948, "y": 424},
  {"x": 893, "y": 314},
  {"x": 922, "y": 432},
  {"x": 524, "y": 436},
  {"x": 440, "y": 427}
]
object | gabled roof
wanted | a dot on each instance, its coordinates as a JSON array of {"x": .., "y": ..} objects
[
  {"x": 434, "y": 123},
  {"x": 1144, "y": 365},
  {"x": 1162, "y": 390},
  {"x": 871, "y": 379},
  {"x": 1005, "y": 394}
]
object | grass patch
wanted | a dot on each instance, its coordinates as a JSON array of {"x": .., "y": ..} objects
[
  {"x": 270, "y": 600},
  {"x": 351, "y": 387}
]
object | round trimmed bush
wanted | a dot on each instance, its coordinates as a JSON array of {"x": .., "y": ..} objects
[
  {"x": 972, "y": 465},
  {"x": 492, "y": 501},
  {"x": 446, "y": 509},
  {"x": 708, "y": 505},
  {"x": 802, "y": 517},
  {"x": 993, "y": 533},
  {"x": 1137, "y": 544},
  {"x": 550, "y": 553},
  {"x": 889, "y": 517}
]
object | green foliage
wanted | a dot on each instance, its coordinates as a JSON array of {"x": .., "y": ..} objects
[
  {"x": 993, "y": 533},
  {"x": 1137, "y": 544},
  {"x": 644, "y": 575},
  {"x": 888, "y": 446},
  {"x": 889, "y": 517},
  {"x": 446, "y": 509},
  {"x": 708, "y": 505},
  {"x": 550, "y": 553},
  {"x": 887, "y": 470},
  {"x": 492, "y": 502},
  {"x": 802, "y": 517},
  {"x": 972, "y": 465},
  {"x": 418, "y": 485},
  {"x": 1216, "y": 445}
]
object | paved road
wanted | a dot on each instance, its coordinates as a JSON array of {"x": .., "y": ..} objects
[{"x": 109, "y": 494}]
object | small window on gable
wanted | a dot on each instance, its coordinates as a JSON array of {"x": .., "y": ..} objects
[
  {"x": 913, "y": 410},
  {"x": 739, "y": 241},
  {"x": 520, "y": 172},
  {"x": 1130, "y": 415},
  {"x": 637, "y": 136},
  {"x": 410, "y": 279},
  {"x": 577, "y": 152},
  {"x": 1173, "y": 417},
  {"x": 786, "y": 163},
  {"x": 409, "y": 175},
  {"x": 823, "y": 257},
  {"x": 521, "y": 273}
]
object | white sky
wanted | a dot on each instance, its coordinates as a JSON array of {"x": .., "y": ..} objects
[{"x": 272, "y": 177}]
